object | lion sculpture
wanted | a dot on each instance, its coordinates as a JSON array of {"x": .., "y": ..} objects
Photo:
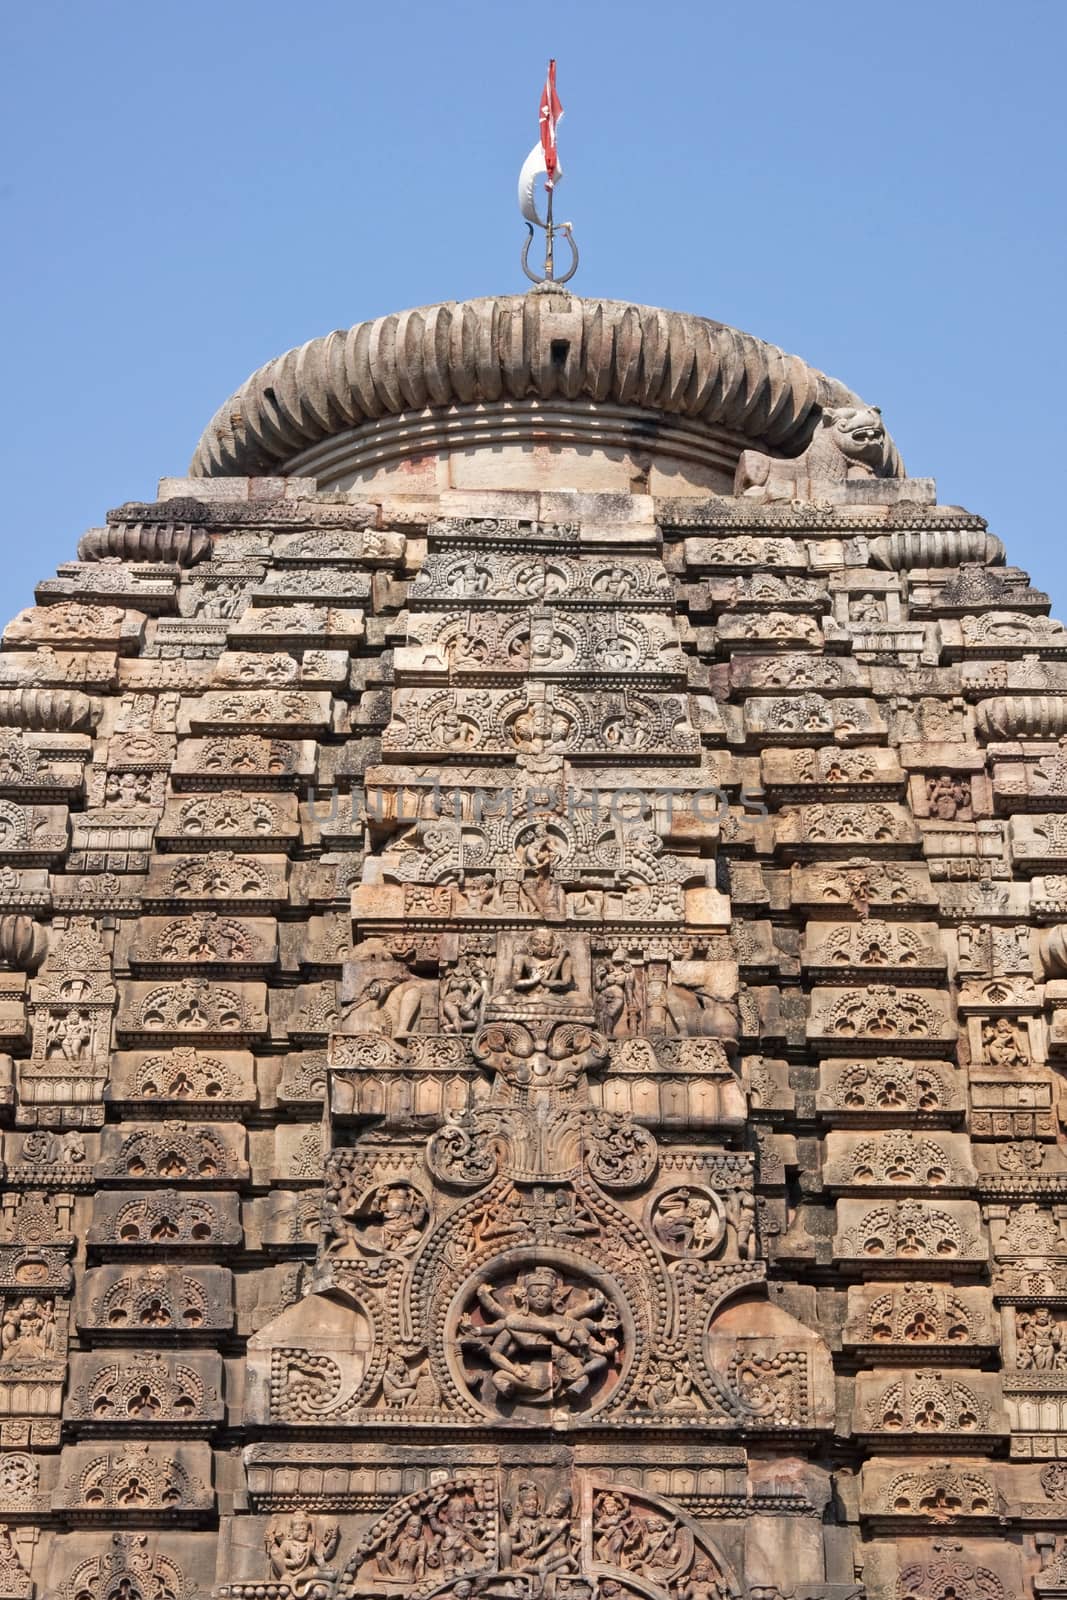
[{"x": 850, "y": 442}]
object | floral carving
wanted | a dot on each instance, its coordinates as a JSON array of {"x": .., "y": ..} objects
[
  {"x": 222, "y": 814},
  {"x": 948, "y": 1576},
  {"x": 207, "y": 937},
  {"x": 908, "y": 1229},
  {"x": 888, "y": 1085},
  {"x": 881, "y": 1011},
  {"x": 161, "y": 1220},
  {"x": 146, "y": 1390},
  {"x": 940, "y": 1494},
  {"x": 926, "y": 1314},
  {"x": 154, "y": 1298},
  {"x": 134, "y": 1479}
]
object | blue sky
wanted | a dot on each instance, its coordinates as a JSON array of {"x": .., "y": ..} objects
[{"x": 189, "y": 188}]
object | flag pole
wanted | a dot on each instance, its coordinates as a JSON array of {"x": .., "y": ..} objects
[
  {"x": 543, "y": 159},
  {"x": 549, "y": 230}
]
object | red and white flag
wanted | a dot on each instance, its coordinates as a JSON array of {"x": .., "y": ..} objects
[
  {"x": 551, "y": 113},
  {"x": 544, "y": 157}
]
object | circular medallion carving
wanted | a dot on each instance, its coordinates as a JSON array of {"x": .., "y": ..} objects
[
  {"x": 460, "y": 1153},
  {"x": 689, "y": 1221},
  {"x": 619, "y": 1154},
  {"x": 528, "y": 1338},
  {"x": 390, "y": 1219}
]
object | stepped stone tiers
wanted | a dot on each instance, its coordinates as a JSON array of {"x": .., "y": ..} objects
[{"x": 533, "y": 975}]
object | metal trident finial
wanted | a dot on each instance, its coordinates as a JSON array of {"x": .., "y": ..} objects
[{"x": 544, "y": 159}]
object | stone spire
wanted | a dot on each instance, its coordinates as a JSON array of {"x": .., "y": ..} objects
[{"x": 533, "y": 930}]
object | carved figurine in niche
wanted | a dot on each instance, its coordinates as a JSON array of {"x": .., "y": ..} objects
[
  {"x": 539, "y": 852},
  {"x": 221, "y": 602},
  {"x": 1003, "y": 1044},
  {"x": 299, "y": 1548},
  {"x": 398, "y": 1381},
  {"x": 539, "y": 1342},
  {"x": 466, "y": 648},
  {"x": 616, "y": 997},
  {"x": 660, "y": 1550},
  {"x": 403, "y": 1387},
  {"x": 742, "y": 1214},
  {"x": 688, "y": 1221},
  {"x": 670, "y": 1386},
  {"x": 535, "y": 1537},
  {"x": 613, "y": 1528},
  {"x": 703, "y": 1583},
  {"x": 69, "y": 1036},
  {"x": 541, "y": 729},
  {"x": 460, "y": 1543},
  {"x": 469, "y": 578},
  {"x": 544, "y": 646},
  {"x": 504, "y": 1218},
  {"x": 629, "y": 728},
  {"x": 542, "y": 966},
  {"x": 531, "y": 577},
  {"x": 655, "y": 1546},
  {"x": 949, "y": 798},
  {"x": 404, "y": 1556},
  {"x": 128, "y": 788},
  {"x": 1039, "y": 1341},
  {"x": 389, "y": 1000},
  {"x": 866, "y": 608},
  {"x": 454, "y": 731},
  {"x": 464, "y": 994},
  {"x": 694, "y": 1007},
  {"x": 615, "y": 581},
  {"x": 395, "y": 1215},
  {"x": 613, "y": 650},
  {"x": 28, "y": 1330}
]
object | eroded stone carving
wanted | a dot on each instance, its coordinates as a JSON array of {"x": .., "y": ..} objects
[{"x": 850, "y": 443}]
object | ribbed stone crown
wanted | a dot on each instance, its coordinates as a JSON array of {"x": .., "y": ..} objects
[{"x": 534, "y": 347}]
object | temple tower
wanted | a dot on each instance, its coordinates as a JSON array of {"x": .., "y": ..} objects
[{"x": 533, "y": 934}]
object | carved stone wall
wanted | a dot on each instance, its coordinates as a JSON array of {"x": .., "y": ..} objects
[{"x": 533, "y": 1028}]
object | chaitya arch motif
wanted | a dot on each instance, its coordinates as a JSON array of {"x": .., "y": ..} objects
[{"x": 535, "y": 1534}]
